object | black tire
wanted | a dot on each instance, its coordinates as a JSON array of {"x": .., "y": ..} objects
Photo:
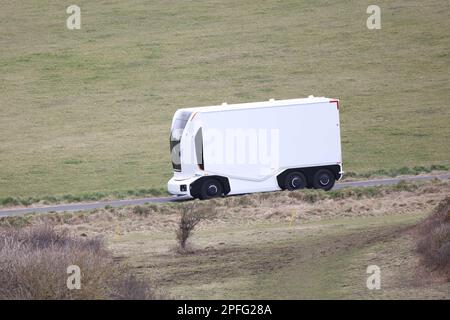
[
  {"x": 295, "y": 180},
  {"x": 323, "y": 179},
  {"x": 211, "y": 188}
]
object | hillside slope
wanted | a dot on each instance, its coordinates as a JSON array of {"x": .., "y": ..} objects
[{"x": 89, "y": 110}]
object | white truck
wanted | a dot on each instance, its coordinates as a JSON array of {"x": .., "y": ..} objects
[{"x": 255, "y": 147}]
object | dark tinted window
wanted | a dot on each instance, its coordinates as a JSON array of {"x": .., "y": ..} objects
[
  {"x": 175, "y": 137},
  {"x": 199, "y": 148}
]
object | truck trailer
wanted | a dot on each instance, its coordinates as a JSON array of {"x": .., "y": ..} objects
[{"x": 264, "y": 146}]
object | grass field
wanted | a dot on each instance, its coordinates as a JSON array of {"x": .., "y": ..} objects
[{"x": 89, "y": 110}]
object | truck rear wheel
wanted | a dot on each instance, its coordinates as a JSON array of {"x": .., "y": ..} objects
[
  {"x": 295, "y": 180},
  {"x": 323, "y": 179},
  {"x": 211, "y": 188}
]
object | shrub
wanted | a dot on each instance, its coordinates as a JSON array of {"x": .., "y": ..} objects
[
  {"x": 9, "y": 201},
  {"x": 439, "y": 167},
  {"x": 142, "y": 211},
  {"x": 436, "y": 247},
  {"x": 307, "y": 195},
  {"x": 190, "y": 215},
  {"x": 405, "y": 186},
  {"x": 129, "y": 287},
  {"x": 434, "y": 244},
  {"x": 34, "y": 261},
  {"x": 246, "y": 200},
  {"x": 368, "y": 192},
  {"x": 15, "y": 221}
]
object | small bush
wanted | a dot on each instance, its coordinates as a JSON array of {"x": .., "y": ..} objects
[
  {"x": 145, "y": 210},
  {"x": 368, "y": 192},
  {"x": 34, "y": 261},
  {"x": 15, "y": 221},
  {"x": 434, "y": 244},
  {"x": 439, "y": 167},
  {"x": 190, "y": 215},
  {"x": 129, "y": 287},
  {"x": 141, "y": 211},
  {"x": 422, "y": 169},
  {"x": 436, "y": 247},
  {"x": 246, "y": 200},
  {"x": 310, "y": 196},
  {"x": 342, "y": 193},
  {"x": 405, "y": 186},
  {"x": 9, "y": 201},
  {"x": 313, "y": 196}
]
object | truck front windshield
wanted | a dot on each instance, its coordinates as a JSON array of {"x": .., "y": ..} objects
[{"x": 175, "y": 138}]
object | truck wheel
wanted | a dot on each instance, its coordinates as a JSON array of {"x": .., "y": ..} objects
[
  {"x": 211, "y": 188},
  {"x": 323, "y": 179},
  {"x": 295, "y": 180}
]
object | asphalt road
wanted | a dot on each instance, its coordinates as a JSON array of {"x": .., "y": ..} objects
[{"x": 141, "y": 201}]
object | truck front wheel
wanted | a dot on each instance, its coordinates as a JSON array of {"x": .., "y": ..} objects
[
  {"x": 295, "y": 180},
  {"x": 323, "y": 179},
  {"x": 211, "y": 188}
]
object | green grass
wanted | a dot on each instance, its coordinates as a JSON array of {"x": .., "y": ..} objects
[
  {"x": 394, "y": 172},
  {"x": 89, "y": 111},
  {"x": 92, "y": 196},
  {"x": 307, "y": 195}
]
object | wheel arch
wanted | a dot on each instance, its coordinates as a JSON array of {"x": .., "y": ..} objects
[
  {"x": 308, "y": 172},
  {"x": 197, "y": 184}
]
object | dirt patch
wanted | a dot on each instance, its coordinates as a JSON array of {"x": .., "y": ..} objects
[{"x": 254, "y": 260}]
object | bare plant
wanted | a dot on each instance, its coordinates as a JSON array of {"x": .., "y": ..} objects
[
  {"x": 34, "y": 261},
  {"x": 434, "y": 244},
  {"x": 190, "y": 215}
]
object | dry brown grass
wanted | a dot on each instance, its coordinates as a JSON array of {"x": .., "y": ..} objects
[
  {"x": 295, "y": 206},
  {"x": 34, "y": 261},
  {"x": 239, "y": 256},
  {"x": 434, "y": 243},
  {"x": 271, "y": 236}
]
